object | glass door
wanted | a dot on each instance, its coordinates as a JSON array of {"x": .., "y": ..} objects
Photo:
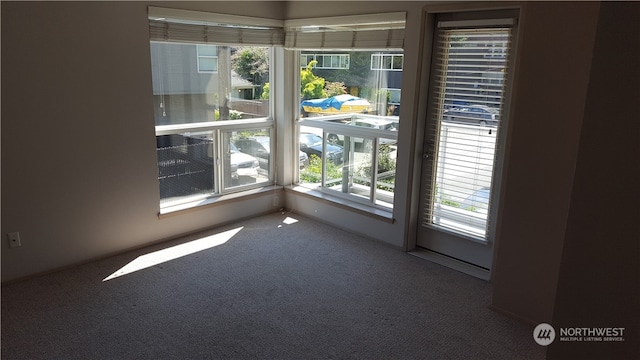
[{"x": 463, "y": 138}]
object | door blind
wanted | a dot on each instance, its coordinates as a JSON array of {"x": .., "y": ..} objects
[{"x": 466, "y": 106}]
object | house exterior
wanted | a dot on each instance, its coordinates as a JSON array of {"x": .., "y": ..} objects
[{"x": 362, "y": 72}]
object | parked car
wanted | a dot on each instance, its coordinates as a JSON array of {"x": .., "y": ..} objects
[
  {"x": 304, "y": 159},
  {"x": 260, "y": 147},
  {"x": 242, "y": 164},
  {"x": 473, "y": 115},
  {"x": 311, "y": 144}
]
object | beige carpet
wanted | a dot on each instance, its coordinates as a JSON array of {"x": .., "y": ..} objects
[{"x": 280, "y": 286}]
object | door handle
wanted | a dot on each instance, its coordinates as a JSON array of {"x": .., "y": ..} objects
[{"x": 427, "y": 149}]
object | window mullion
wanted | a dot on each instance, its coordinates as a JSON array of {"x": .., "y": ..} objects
[
  {"x": 218, "y": 163},
  {"x": 374, "y": 171}
]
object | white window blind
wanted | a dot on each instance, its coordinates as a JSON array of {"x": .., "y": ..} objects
[
  {"x": 376, "y": 31},
  {"x": 202, "y": 27},
  {"x": 469, "y": 71}
]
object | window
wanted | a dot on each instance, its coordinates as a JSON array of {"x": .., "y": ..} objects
[
  {"x": 209, "y": 79},
  {"x": 390, "y": 62},
  {"x": 326, "y": 61},
  {"x": 207, "y": 58},
  {"x": 349, "y": 109}
]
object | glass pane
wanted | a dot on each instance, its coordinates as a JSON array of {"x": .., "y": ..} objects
[
  {"x": 338, "y": 174},
  {"x": 191, "y": 86},
  {"x": 256, "y": 143},
  {"x": 471, "y": 88},
  {"x": 376, "y": 60},
  {"x": 246, "y": 157},
  {"x": 386, "y": 62},
  {"x": 207, "y": 50},
  {"x": 356, "y": 84},
  {"x": 335, "y": 62},
  {"x": 207, "y": 64},
  {"x": 397, "y": 62},
  {"x": 360, "y": 166},
  {"x": 311, "y": 145},
  {"x": 385, "y": 182},
  {"x": 185, "y": 166}
]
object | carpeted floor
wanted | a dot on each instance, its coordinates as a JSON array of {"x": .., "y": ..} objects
[{"x": 280, "y": 286}]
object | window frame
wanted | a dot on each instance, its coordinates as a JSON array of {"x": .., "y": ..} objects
[
  {"x": 318, "y": 66},
  {"x": 280, "y": 75},
  {"x": 185, "y": 31},
  {"x": 382, "y": 56},
  {"x": 218, "y": 128},
  {"x": 382, "y": 33}
]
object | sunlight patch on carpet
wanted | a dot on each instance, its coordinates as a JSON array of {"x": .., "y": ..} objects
[
  {"x": 289, "y": 220},
  {"x": 174, "y": 252}
]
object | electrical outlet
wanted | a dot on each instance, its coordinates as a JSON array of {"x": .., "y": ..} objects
[
  {"x": 14, "y": 239},
  {"x": 276, "y": 201}
]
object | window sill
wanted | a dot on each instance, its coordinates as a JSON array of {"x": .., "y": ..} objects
[
  {"x": 214, "y": 201},
  {"x": 363, "y": 209}
]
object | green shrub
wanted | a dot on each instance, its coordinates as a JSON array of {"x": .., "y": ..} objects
[
  {"x": 233, "y": 114},
  {"x": 312, "y": 173}
]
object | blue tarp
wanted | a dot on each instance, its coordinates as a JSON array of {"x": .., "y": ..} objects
[{"x": 334, "y": 101}]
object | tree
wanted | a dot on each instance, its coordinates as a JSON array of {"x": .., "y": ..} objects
[
  {"x": 311, "y": 85},
  {"x": 252, "y": 63},
  {"x": 358, "y": 74},
  {"x": 334, "y": 88}
]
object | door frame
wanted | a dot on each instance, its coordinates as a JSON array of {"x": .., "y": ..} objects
[{"x": 428, "y": 31}]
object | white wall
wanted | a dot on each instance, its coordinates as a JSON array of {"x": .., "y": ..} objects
[
  {"x": 551, "y": 81},
  {"x": 79, "y": 174},
  {"x": 599, "y": 278}
]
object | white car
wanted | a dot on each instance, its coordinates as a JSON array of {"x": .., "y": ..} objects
[
  {"x": 242, "y": 164},
  {"x": 260, "y": 148},
  {"x": 381, "y": 124}
]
